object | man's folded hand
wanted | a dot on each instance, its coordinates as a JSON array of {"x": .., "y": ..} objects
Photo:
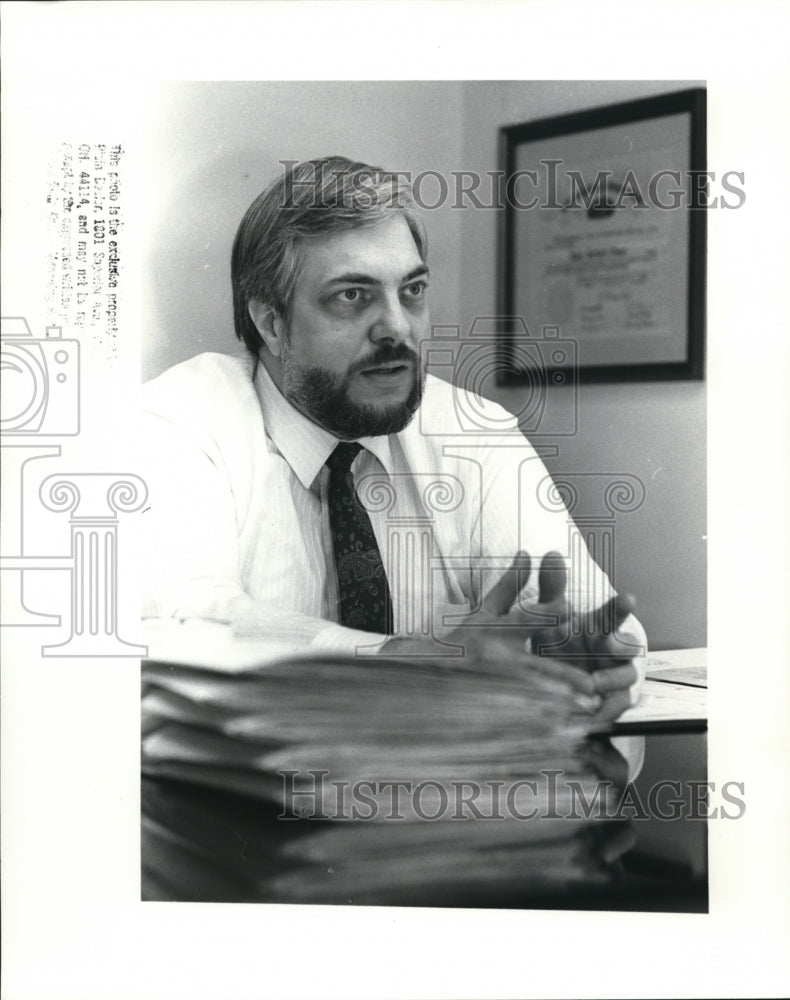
[{"x": 587, "y": 651}]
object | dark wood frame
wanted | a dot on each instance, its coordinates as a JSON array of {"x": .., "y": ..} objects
[{"x": 511, "y": 137}]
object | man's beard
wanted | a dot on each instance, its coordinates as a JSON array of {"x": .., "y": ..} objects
[{"x": 324, "y": 397}]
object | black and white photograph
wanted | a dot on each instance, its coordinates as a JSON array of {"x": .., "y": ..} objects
[
  {"x": 480, "y": 551},
  {"x": 386, "y": 458}
]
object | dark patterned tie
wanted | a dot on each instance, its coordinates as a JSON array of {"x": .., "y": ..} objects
[{"x": 365, "y": 601}]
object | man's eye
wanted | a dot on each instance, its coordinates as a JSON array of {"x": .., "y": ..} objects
[
  {"x": 416, "y": 289},
  {"x": 351, "y": 295}
]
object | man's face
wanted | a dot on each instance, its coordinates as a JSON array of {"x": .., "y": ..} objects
[{"x": 350, "y": 359}]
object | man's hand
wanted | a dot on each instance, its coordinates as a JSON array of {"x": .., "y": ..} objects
[
  {"x": 585, "y": 651},
  {"x": 594, "y": 641}
]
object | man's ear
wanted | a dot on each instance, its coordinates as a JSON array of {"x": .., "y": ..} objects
[{"x": 269, "y": 325}]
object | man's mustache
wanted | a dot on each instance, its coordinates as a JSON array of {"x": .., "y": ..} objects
[{"x": 387, "y": 354}]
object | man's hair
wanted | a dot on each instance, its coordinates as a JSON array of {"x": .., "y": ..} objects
[{"x": 329, "y": 195}]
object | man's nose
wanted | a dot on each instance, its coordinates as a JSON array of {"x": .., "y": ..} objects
[{"x": 392, "y": 322}]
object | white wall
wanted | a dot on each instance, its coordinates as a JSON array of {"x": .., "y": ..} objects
[
  {"x": 215, "y": 146},
  {"x": 654, "y": 430}
]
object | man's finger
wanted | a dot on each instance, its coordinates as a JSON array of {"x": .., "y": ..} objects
[
  {"x": 553, "y": 578},
  {"x": 613, "y": 706},
  {"x": 579, "y": 679},
  {"x": 614, "y": 678},
  {"x": 501, "y": 597},
  {"x": 610, "y": 616},
  {"x": 617, "y": 647}
]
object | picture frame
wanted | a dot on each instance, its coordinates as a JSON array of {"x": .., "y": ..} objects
[{"x": 602, "y": 243}]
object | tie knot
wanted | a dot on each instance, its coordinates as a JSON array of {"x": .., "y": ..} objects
[{"x": 342, "y": 457}]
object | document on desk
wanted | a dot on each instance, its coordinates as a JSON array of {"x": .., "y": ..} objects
[
  {"x": 674, "y": 692},
  {"x": 687, "y": 666},
  {"x": 209, "y": 645}
]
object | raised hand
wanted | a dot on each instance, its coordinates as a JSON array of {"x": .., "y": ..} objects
[
  {"x": 549, "y": 636},
  {"x": 592, "y": 641},
  {"x": 588, "y": 649}
]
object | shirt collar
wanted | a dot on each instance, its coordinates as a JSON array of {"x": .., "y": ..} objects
[
  {"x": 380, "y": 447},
  {"x": 304, "y": 445}
]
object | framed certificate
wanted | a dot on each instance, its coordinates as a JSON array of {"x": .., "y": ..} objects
[{"x": 603, "y": 241}]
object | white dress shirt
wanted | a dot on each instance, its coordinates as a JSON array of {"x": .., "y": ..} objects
[{"x": 237, "y": 526}]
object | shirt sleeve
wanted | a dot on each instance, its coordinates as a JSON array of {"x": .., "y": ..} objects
[
  {"x": 298, "y": 633},
  {"x": 191, "y": 553},
  {"x": 521, "y": 510},
  {"x": 189, "y": 536}
]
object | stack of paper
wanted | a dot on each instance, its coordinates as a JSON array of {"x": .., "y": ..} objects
[{"x": 334, "y": 780}]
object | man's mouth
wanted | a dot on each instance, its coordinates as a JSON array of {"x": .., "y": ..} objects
[{"x": 390, "y": 370}]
